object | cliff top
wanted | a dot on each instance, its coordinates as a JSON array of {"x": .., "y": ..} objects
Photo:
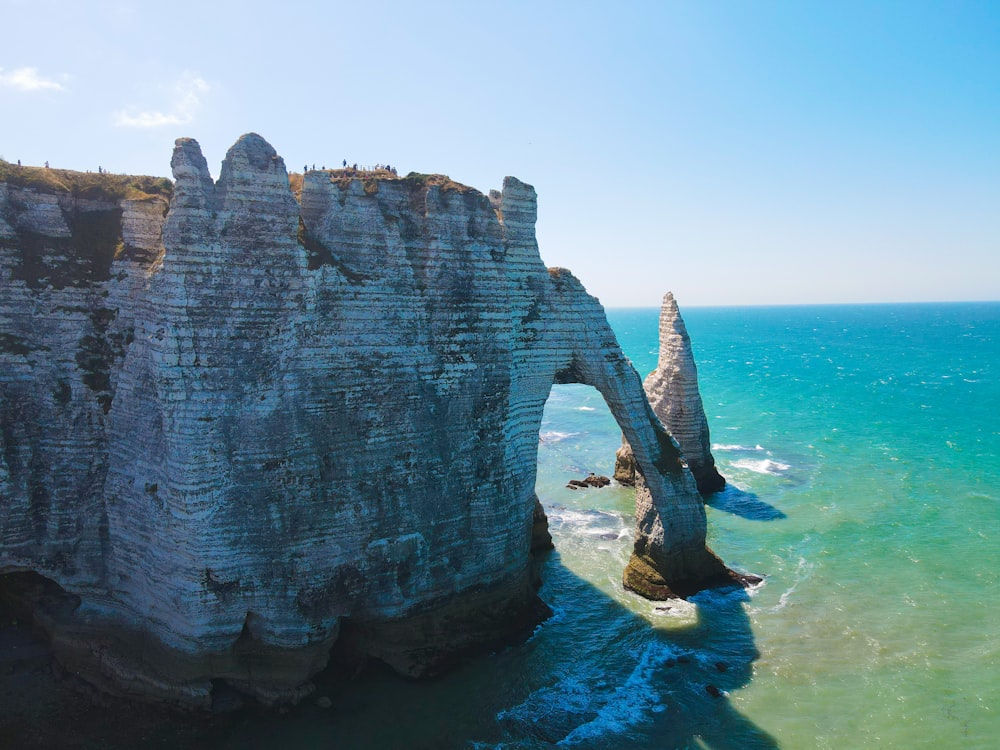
[
  {"x": 87, "y": 185},
  {"x": 343, "y": 178}
]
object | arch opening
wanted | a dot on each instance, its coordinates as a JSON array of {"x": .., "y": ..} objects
[{"x": 592, "y": 526}]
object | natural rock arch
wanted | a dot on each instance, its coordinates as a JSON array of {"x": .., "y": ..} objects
[{"x": 670, "y": 557}]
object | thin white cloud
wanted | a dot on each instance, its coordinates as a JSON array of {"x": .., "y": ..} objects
[
  {"x": 185, "y": 101},
  {"x": 28, "y": 79}
]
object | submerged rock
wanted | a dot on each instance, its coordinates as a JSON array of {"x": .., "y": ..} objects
[
  {"x": 239, "y": 432},
  {"x": 672, "y": 389},
  {"x": 592, "y": 480}
]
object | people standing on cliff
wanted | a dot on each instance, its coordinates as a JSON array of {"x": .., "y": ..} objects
[{"x": 345, "y": 163}]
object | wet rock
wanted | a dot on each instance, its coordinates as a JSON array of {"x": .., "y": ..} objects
[{"x": 593, "y": 480}]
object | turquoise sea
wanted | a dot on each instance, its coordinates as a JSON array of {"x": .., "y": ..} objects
[{"x": 862, "y": 449}]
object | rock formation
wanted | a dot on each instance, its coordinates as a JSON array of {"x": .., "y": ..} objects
[
  {"x": 672, "y": 390},
  {"x": 240, "y": 430}
]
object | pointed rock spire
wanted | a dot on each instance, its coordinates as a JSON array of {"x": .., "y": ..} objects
[
  {"x": 672, "y": 390},
  {"x": 193, "y": 181}
]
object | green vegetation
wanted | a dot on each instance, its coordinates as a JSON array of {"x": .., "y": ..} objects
[
  {"x": 321, "y": 255},
  {"x": 295, "y": 183},
  {"x": 441, "y": 180},
  {"x": 87, "y": 185}
]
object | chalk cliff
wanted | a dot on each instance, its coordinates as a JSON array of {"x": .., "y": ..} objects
[
  {"x": 240, "y": 430},
  {"x": 672, "y": 390}
]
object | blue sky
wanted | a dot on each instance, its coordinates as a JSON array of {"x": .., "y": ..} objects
[{"x": 732, "y": 152}]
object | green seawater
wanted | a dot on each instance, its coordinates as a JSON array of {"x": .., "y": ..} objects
[{"x": 862, "y": 449}]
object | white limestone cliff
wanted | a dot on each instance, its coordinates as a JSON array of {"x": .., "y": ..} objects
[
  {"x": 256, "y": 429},
  {"x": 672, "y": 390}
]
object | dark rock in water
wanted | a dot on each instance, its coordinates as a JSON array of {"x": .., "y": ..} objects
[
  {"x": 721, "y": 666},
  {"x": 247, "y": 423},
  {"x": 593, "y": 480},
  {"x": 713, "y": 691}
]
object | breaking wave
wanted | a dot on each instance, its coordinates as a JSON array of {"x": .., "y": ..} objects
[
  {"x": 554, "y": 436},
  {"x": 764, "y": 466}
]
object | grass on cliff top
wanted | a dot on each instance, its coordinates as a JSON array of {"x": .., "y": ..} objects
[
  {"x": 371, "y": 177},
  {"x": 441, "y": 180},
  {"x": 86, "y": 185},
  {"x": 295, "y": 183}
]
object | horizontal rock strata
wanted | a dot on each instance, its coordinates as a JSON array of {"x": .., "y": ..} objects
[{"x": 240, "y": 430}]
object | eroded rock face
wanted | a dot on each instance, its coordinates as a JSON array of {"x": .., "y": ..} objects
[
  {"x": 247, "y": 430},
  {"x": 672, "y": 389}
]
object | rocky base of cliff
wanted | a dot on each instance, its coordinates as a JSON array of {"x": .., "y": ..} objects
[
  {"x": 541, "y": 539},
  {"x": 430, "y": 643},
  {"x": 625, "y": 466},
  {"x": 642, "y": 577},
  {"x": 94, "y": 654}
]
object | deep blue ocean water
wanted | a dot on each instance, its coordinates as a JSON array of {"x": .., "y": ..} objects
[{"x": 862, "y": 448}]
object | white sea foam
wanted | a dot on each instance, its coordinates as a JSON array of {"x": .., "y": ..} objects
[
  {"x": 554, "y": 436},
  {"x": 735, "y": 447},
  {"x": 764, "y": 466},
  {"x": 588, "y": 522},
  {"x": 802, "y": 572},
  {"x": 585, "y": 408},
  {"x": 632, "y": 702}
]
